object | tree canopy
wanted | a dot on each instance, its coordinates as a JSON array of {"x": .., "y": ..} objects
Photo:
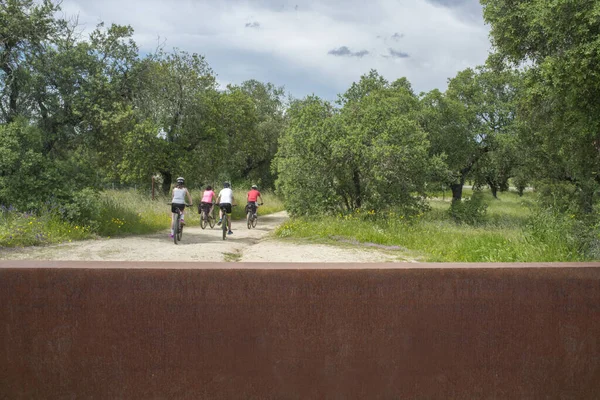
[{"x": 557, "y": 44}]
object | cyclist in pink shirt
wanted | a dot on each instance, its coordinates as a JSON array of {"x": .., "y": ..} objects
[
  {"x": 253, "y": 196},
  {"x": 208, "y": 201}
]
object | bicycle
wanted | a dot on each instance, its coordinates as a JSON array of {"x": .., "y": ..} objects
[
  {"x": 207, "y": 217},
  {"x": 251, "y": 216},
  {"x": 177, "y": 225},
  {"x": 226, "y": 223}
]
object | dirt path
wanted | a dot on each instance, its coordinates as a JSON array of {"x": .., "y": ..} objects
[{"x": 206, "y": 245}]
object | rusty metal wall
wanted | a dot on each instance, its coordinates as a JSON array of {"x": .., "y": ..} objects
[{"x": 394, "y": 333}]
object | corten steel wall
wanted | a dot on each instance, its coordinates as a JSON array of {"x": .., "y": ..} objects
[{"x": 298, "y": 332}]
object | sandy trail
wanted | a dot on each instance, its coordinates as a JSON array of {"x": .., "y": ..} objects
[{"x": 248, "y": 245}]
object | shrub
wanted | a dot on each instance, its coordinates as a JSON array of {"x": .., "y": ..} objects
[
  {"x": 472, "y": 210},
  {"x": 83, "y": 208}
]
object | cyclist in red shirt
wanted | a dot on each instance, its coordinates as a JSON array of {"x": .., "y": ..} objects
[{"x": 253, "y": 196}]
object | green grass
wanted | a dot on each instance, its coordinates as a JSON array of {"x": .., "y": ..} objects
[
  {"x": 115, "y": 213},
  {"x": 25, "y": 229},
  {"x": 512, "y": 232},
  {"x": 127, "y": 212}
]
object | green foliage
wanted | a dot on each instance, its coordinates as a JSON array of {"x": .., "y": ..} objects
[
  {"x": 384, "y": 148},
  {"x": 184, "y": 126},
  {"x": 120, "y": 215},
  {"x": 560, "y": 232},
  {"x": 305, "y": 162},
  {"x": 557, "y": 44},
  {"x": 472, "y": 210},
  {"x": 176, "y": 109},
  {"x": 25, "y": 25},
  {"x": 511, "y": 233},
  {"x": 89, "y": 109},
  {"x": 372, "y": 153},
  {"x": 472, "y": 125},
  {"x": 18, "y": 229},
  {"x": 562, "y": 197},
  {"x": 24, "y": 173},
  {"x": 260, "y": 148}
]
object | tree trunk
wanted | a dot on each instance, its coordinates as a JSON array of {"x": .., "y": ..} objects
[
  {"x": 13, "y": 89},
  {"x": 167, "y": 179},
  {"x": 356, "y": 180},
  {"x": 493, "y": 188},
  {"x": 494, "y": 191},
  {"x": 457, "y": 191}
]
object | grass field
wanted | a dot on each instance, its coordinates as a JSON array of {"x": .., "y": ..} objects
[{"x": 512, "y": 231}]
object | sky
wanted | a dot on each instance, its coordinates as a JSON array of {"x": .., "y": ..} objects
[{"x": 309, "y": 47}]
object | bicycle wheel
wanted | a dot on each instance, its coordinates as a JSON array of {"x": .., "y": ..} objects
[
  {"x": 224, "y": 225},
  {"x": 254, "y": 221},
  {"x": 203, "y": 218},
  {"x": 176, "y": 228},
  {"x": 180, "y": 232},
  {"x": 249, "y": 220},
  {"x": 211, "y": 221}
]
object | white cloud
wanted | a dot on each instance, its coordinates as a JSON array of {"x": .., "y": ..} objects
[{"x": 290, "y": 42}]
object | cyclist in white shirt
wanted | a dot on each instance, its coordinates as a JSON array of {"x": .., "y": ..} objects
[
  {"x": 225, "y": 200},
  {"x": 178, "y": 201}
]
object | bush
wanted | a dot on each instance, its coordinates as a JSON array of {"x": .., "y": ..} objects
[
  {"x": 83, "y": 208},
  {"x": 472, "y": 210},
  {"x": 559, "y": 196}
]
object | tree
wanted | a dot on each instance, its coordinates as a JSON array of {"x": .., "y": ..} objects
[
  {"x": 67, "y": 97},
  {"x": 305, "y": 162},
  {"x": 557, "y": 43},
  {"x": 81, "y": 92},
  {"x": 270, "y": 123},
  {"x": 369, "y": 154},
  {"x": 384, "y": 150},
  {"x": 24, "y": 27},
  {"x": 446, "y": 121},
  {"x": 471, "y": 125},
  {"x": 177, "y": 103}
]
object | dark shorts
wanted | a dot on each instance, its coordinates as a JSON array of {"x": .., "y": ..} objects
[
  {"x": 204, "y": 206},
  {"x": 251, "y": 206},
  {"x": 226, "y": 206},
  {"x": 174, "y": 207}
]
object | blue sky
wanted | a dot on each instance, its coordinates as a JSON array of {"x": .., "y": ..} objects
[{"x": 309, "y": 47}]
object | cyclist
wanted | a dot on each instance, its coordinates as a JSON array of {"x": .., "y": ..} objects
[
  {"x": 253, "y": 196},
  {"x": 178, "y": 202},
  {"x": 208, "y": 200},
  {"x": 225, "y": 200}
]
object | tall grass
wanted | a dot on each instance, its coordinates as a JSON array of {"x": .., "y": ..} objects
[
  {"x": 18, "y": 229},
  {"x": 126, "y": 212},
  {"x": 513, "y": 231}
]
